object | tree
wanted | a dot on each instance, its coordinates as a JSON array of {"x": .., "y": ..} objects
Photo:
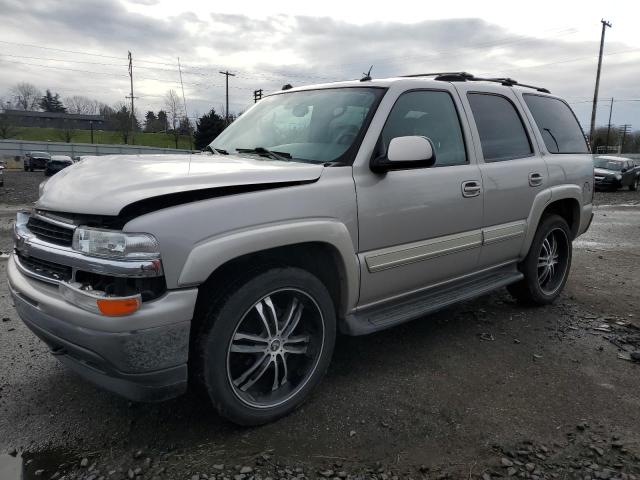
[
  {"x": 163, "y": 122},
  {"x": 52, "y": 103},
  {"x": 26, "y": 96},
  {"x": 67, "y": 132},
  {"x": 119, "y": 118},
  {"x": 82, "y": 105},
  {"x": 150, "y": 122},
  {"x": 174, "y": 112},
  {"x": 208, "y": 127}
]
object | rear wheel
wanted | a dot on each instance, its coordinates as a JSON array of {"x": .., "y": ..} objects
[
  {"x": 546, "y": 266},
  {"x": 267, "y": 344}
]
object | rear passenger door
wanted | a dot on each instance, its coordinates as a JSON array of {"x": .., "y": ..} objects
[{"x": 512, "y": 169}]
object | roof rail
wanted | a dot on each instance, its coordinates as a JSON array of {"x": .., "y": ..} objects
[{"x": 465, "y": 76}]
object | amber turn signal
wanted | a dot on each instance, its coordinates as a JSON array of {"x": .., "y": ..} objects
[{"x": 116, "y": 307}]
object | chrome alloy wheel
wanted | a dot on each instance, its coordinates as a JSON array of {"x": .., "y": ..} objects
[
  {"x": 275, "y": 348},
  {"x": 553, "y": 261}
]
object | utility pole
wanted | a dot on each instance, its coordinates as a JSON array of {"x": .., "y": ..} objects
[
  {"x": 609, "y": 124},
  {"x": 133, "y": 117},
  {"x": 226, "y": 112},
  {"x": 184, "y": 102},
  {"x": 257, "y": 95},
  {"x": 624, "y": 129},
  {"x": 605, "y": 24}
]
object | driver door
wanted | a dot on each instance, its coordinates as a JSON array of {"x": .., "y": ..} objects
[{"x": 421, "y": 226}]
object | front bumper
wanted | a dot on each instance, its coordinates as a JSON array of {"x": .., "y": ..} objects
[{"x": 142, "y": 356}]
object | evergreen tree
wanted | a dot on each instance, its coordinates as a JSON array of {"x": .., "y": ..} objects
[
  {"x": 163, "y": 121},
  {"x": 150, "y": 122},
  {"x": 208, "y": 127},
  {"x": 52, "y": 103}
]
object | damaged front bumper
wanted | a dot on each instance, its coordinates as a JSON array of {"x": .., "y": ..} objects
[{"x": 142, "y": 356}]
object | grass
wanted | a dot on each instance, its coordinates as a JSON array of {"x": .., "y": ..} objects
[{"x": 160, "y": 140}]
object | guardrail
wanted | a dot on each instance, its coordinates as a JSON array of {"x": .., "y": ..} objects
[{"x": 13, "y": 151}]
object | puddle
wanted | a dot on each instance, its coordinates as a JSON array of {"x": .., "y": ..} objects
[
  {"x": 10, "y": 467},
  {"x": 46, "y": 463}
]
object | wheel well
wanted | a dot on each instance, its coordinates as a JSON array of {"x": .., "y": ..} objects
[
  {"x": 567, "y": 208},
  {"x": 320, "y": 259}
]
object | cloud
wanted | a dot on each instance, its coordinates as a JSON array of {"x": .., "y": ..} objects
[{"x": 270, "y": 51}]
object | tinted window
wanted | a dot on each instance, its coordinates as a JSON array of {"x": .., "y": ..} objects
[
  {"x": 430, "y": 114},
  {"x": 560, "y": 130},
  {"x": 502, "y": 134}
]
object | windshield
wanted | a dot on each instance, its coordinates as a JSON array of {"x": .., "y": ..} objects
[
  {"x": 311, "y": 125},
  {"x": 607, "y": 164}
]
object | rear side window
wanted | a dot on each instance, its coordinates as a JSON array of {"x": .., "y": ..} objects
[
  {"x": 502, "y": 133},
  {"x": 432, "y": 114},
  {"x": 560, "y": 130}
]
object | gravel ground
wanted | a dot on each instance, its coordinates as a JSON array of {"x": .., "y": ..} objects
[{"x": 486, "y": 389}]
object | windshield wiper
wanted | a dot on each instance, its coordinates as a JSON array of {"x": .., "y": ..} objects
[
  {"x": 266, "y": 153},
  {"x": 217, "y": 150}
]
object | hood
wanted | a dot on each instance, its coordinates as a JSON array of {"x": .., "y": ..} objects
[
  {"x": 105, "y": 185},
  {"x": 604, "y": 172}
]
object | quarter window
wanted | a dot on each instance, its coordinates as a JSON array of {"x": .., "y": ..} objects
[
  {"x": 502, "y": 133},
  {"x": 431, "y": 114},
  {"x": 558, "y": 126}
]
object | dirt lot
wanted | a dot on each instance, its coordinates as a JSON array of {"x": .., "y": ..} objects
[{"x": 487, "y": 389}]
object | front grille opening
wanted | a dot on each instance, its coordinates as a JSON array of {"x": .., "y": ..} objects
[
  {"x": 50, "y": 232},
  {"x": 47, "y": 269},
  {"x": 149, "y": 288}
]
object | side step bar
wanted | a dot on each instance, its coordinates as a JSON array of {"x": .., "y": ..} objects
[{"x": 390, "y": 314}]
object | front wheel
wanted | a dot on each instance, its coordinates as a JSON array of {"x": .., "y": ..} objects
[
  {"x": 267, "y": 344},
  {"x": 546, "y": 266},
  {"x": 635, "y": 184}
]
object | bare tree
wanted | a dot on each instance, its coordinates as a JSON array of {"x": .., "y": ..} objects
[
  {"x": 173, "y": 106},
  {"x": 80, "y": 104},
  {"x": 26, "y": 96},
  {"x": 67, "y": 132}
]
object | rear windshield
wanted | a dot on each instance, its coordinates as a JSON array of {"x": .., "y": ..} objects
[{"x": 560, "y": 130}]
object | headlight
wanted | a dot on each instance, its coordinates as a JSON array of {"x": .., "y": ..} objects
[
  {"x": 113, "y": 244},
  {"x": 618, "y": 177}
]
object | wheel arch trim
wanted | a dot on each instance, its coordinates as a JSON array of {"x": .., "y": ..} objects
[
  {"x": 211, "y": 254},
  {"x": 542, "y": 201}
]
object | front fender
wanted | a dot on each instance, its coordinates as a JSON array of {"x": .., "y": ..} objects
[{"x": 208, "y": 255}]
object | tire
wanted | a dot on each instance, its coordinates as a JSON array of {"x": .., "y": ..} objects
[
  {"x": 635, "y": 184},
  {"x": 542, "y": 284},
  {"x": 255, "y": 373}
]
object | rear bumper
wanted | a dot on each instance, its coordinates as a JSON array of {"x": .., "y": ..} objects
[{"x": 145, "y": 364}]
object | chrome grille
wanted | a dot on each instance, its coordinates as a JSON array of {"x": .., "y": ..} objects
[
  {"x": 44, "y": 268},
  {"x": 50, "y": 232}
]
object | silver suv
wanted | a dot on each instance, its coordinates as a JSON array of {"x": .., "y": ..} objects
[{"x": 350, "y": 207}]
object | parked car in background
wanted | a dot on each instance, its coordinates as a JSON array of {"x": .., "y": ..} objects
[
  {"x": 1, "y": 175},
  {"x": 612, "y": 172},
  {"x": 57, "y": 163},
  {"x": 36, "y": 160}
]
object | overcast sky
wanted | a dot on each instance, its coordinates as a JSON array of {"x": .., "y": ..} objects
[{"x": 269, "y": 43}]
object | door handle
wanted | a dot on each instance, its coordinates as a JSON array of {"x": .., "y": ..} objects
[
  {"x": 471, "y": 188},
  {"x": 535, "y": 179}
]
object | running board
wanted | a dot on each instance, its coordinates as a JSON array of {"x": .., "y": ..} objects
[{"x": 395, "y": 312}]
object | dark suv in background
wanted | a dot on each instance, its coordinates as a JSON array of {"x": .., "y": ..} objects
[
  {"x": 613, "y": 173},
  {"x": 36, "y": 160}
]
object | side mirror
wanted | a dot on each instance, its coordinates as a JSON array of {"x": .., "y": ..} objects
[
  {"x": 404, "y": 153},
  {"x": 623, "y": 170}
]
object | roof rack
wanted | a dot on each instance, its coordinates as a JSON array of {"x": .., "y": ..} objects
[{"x": 465, "y": 76}]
